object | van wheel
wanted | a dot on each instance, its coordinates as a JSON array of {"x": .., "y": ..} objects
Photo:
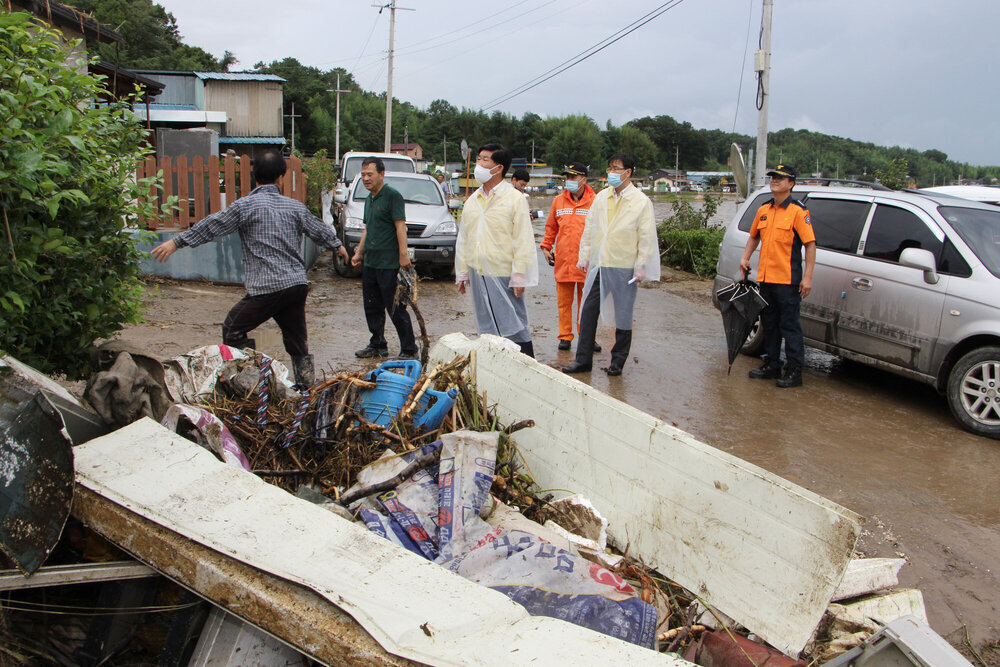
[
  {"x": 344, "y": 268},
  {"x": 754, "y": 346},
  {"x": 974, "y": 391}
]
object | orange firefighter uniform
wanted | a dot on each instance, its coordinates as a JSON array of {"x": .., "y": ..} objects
[{"x": 564, "y": 228}]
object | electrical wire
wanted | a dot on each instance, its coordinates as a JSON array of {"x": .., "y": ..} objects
[
  {"x": 760, "y": 75},
  {"x": 73, "y": 610},
  {"x": 583, "y": 55},
  {"x": 743, "y": 64},
  {"x": 452, "y": 40}
]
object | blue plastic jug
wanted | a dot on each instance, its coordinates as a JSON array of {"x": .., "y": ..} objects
[{"x": 381, "y": 404}]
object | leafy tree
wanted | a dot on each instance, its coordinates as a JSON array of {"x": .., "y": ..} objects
[
  {"x": 576, "y": 139},
  {"x": 70, "y": 269},
  {"x": 895, "y": 176},
  {"x": 638, "y": 144},
  {"x": 152, "y": 39}
]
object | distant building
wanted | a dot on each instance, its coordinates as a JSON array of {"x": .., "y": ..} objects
[
  {"x": 411, "y": 149},
  {"x": 230, "y": 110}
]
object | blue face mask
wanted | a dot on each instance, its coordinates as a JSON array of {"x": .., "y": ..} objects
[
  {"x": 614, "y": 179},
  {"x": 572, "y": 186}
]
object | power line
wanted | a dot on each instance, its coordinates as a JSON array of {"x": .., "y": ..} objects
[
  {"x": 451, "y": 36},
  {"x": 743, "y": 64},
  {"x": 583, "y": 55}
]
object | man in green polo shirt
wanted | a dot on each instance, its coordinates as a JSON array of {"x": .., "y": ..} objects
[{"x": 382, "y": 250}]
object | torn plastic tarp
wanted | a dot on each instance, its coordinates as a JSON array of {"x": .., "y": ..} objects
[
  {"x": 211, "y": 433},
  {"x": 195, "y": 373},
  {"x": 436, "y": 513}
]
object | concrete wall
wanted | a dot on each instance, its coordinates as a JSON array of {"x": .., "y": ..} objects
[{"x": 220, "y": 260}]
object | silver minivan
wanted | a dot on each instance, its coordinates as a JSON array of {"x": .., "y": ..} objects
[{"x": 904, "y": 281}]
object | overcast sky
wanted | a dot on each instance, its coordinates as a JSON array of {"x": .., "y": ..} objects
[{"x": 912, "y": 73}]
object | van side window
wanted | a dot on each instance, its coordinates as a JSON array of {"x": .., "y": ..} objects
[
  {"x": 746, "y": 222},
  {"x": 894, "y": 229},
  {"x": 837, "y": 223}
]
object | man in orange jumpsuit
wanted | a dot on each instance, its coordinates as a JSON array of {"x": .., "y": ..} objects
[
  {"x": 563, "y": 229},
  {"x": 782, "y": 228}
]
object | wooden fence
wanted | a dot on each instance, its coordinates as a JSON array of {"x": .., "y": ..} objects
[{"x": 203, "y": 188}]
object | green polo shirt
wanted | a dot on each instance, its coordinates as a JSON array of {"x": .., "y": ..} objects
[{"x": 381, "y": 213}]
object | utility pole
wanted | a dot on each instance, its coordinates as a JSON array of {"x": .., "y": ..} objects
[
  {"x": 677, "y": 161},
  {"x": 762, "y": 65},
  {"x": 406, "y": 140},
  {"x": 336, "y": 149},
  {"x": 293, "y": 116},
  {"x": 388, "y": 89},
  {"x": 532, "y": 154},
  {"x": 444, "y": 147}
]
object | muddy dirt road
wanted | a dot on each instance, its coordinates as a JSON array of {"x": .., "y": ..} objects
[{"x": 882, "y": 446}]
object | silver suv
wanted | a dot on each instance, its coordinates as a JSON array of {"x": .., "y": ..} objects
[{"x": 904, "y": 281}]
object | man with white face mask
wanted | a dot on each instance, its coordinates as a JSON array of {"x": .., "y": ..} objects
[
  {"x": 618, "y": 249},
  {"x": 495, "y": 255}
]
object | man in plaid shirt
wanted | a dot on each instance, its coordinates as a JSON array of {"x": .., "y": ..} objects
[{"x": 270, "y": 226}]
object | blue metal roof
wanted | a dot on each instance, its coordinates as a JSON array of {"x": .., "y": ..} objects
[
  {"x": 237, "y": 76},
  {"x": 251, "y": 140},
  {"x": 173, "y": 107}
]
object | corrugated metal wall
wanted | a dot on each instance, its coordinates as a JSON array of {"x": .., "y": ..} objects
[
  {"x": 253, "y": 107},
  {"x": 180, "y": 88}
]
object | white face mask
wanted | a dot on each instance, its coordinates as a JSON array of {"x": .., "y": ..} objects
[{"x": 482, "y": 174}]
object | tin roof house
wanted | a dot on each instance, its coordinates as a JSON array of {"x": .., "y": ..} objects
[{"x": 209, "y": 113}]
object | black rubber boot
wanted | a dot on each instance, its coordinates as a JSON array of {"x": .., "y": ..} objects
[
  {"x": 528, "y": 349},
  {"x": 302, "y": 368},
  {"x": 768, "y": 371},
  {"x": 619, "y": 353},
  {"x": 792, "y": 378}
]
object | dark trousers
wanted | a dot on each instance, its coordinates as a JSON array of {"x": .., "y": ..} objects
[
  {"x": 589, "y": 314},
  {"x": 287, "y": 307},
  {"x": 780, "y": 320},
  {"x": 378, "y": 288}
]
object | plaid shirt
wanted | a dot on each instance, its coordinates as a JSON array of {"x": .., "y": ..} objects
[{"x": 270, "y": 227}]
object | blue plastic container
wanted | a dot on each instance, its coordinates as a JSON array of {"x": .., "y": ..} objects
[{"x": 381, "y": 404}]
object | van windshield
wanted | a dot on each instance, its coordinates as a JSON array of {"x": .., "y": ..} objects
[
  {"x": 414, "y": 190},
  {"x": 352, "y": 167},
  {"x": 980, "y": 229}
]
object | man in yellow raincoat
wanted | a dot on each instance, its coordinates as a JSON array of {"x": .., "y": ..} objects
[
  {"x": 495, "y": 255},
  {"x": 618, "y": 249}
]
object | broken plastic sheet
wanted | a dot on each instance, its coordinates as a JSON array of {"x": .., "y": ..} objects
[
  {"x": 545, "y": 579},
  {"x": 195, "y": 373},
  {"x": 212, "y": 433}
]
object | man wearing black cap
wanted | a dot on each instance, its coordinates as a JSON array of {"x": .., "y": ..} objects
[
  {"x": 782, "y": 228},
  {"x": 563, "y": 230}
]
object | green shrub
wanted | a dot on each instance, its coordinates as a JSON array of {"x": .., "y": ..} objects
[
  {"x": 69, "y": 270},
  {"x": 692, "y": 250},
  {"x": 686, "y": 242}
]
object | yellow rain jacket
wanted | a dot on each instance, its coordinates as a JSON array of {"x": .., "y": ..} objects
[
  {"x": 621, "y": 233},
  {"x": 495, "y": 237}
]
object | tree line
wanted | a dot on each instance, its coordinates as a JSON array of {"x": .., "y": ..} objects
[{"x": 152, "y": 41}]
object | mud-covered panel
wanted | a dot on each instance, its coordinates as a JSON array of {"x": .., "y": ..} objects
[{"x": 36, "y": 483}]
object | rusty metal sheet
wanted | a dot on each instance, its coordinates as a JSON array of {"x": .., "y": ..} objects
[{"x": 36, "y": 483}]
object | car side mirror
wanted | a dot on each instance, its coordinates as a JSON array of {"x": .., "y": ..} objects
[
  {"x": 454, "y": 204},
  {"x": 918, "y": 258},
  {"x": 340, "y": 195}
]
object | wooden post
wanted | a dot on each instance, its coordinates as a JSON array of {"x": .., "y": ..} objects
[
  {"x": 198, "y": 192},
  {"x": 230, "y": 179},
  {"x": 213, "y": 184},
  {"x": 168, "y": 186},
  {"x": 183, "y": 202},
  {"x": 244, "y": 177}
]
